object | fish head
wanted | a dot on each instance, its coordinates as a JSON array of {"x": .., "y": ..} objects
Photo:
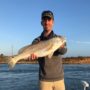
[{"x": 58, "y": 41}]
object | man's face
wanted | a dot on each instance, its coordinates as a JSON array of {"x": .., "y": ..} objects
[{"x": 47, "y": 23}]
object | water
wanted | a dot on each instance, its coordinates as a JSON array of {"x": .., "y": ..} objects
[
  {"x": 25, "y": 77},
  {"x": 74, "y": 74}
]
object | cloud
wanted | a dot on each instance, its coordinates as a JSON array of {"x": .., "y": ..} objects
[{"x": 80, "y": 42}]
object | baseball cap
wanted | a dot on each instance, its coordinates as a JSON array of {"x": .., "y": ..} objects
[{"x": 47, "y": 13}]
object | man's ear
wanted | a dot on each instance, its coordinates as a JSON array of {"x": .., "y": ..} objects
[{"x": 41, "y": 23}]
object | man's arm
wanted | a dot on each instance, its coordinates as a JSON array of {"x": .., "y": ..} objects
[{"x": 36, "y": 40}]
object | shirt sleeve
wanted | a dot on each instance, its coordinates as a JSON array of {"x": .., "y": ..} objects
[{"x": 36, "y": 40}]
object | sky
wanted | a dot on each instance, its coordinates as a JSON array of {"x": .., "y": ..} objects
[{"x": 20, "y": 23}]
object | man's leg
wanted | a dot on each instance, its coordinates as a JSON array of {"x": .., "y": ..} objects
[
  {"x": 59, "y": 85},
  {"x": 46, "y": 85}
]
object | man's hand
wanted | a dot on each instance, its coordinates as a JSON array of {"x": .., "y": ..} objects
[{"x": 32, "y": 57}]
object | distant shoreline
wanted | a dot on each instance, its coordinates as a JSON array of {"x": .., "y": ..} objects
[{"x": 67, "y": 60}]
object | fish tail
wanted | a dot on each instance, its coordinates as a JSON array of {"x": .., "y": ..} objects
[{"x": 11, "y": 62}]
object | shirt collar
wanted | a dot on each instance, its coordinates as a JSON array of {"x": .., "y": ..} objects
[{"x": 48, "y": 37}]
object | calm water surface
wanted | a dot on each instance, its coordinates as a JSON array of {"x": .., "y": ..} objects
[{"x": 25, "y": 77}]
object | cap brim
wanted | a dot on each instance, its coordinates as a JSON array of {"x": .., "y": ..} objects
[{"x": 47, "y": 16}]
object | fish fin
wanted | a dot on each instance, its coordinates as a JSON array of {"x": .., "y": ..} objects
[
  {"x": 50, "y": 55},
  {"x": 22, "y": 49}
]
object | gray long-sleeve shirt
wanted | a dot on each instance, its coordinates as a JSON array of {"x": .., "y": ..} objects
[{"x": 51, "y": 69}]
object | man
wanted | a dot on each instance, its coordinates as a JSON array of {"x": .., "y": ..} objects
[{"x": 51, "y": 73}]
